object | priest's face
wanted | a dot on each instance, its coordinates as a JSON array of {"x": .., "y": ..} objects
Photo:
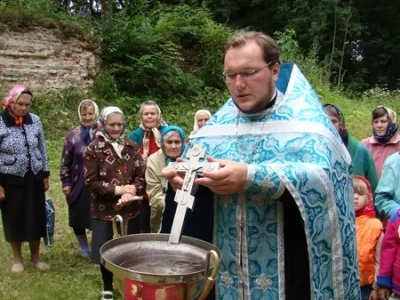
[{"x": 250, "y": 81}]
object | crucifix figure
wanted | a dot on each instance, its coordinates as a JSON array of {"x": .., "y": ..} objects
[{"x": 184, "y": 197}]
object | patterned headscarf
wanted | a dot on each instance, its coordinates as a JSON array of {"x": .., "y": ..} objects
[
  {"x": 335, "y": 110},
  {"x": 105, "y": 113},
  {"x": 12, "y": 98},
  {"x": 368, "y": 209},
  {"x": 392, "y": 125}
]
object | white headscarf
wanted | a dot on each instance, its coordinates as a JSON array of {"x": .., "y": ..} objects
[
  {"x": 118, "y": 144},
  {"x": 195, "y": 125},
  {"x": 96, "y": 109}
]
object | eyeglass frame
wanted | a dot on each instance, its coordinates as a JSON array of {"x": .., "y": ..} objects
[{"x": 245, "y": 74}]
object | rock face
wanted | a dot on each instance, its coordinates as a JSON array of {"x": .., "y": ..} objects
[{"x": 45, "y": 60}]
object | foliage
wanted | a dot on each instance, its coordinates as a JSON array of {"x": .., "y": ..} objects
[{"x": 169, "y": 52}]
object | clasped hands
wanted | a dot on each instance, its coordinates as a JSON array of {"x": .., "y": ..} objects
[
  {"x": 127, "y": 193},
  {"x": 229, "y": 179}
]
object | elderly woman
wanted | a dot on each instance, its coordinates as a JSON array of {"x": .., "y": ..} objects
[
  {"x": 71, "y": 172},
  {"x": 114, "y": 174},
  {"x": 199, "y": 222},
  {"x": 363, "y": 163},
  {"x": 172, "y": 141},
  {"x": 148, "y": 137},
  {"x": 200, "y": 119},
  {"x": 24, "y": 176},
  {"x": 385, "y": 139}
]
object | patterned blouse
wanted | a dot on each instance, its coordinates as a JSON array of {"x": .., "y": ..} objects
[
  {"x": 22, "y": 148},
  {"x": 104, "y": 170}
]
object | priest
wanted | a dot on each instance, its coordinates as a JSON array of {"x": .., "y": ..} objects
[{"x": 284, "y": 215}]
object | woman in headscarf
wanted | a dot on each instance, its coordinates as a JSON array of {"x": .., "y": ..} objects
[
  {"x": 200, "y": 119},
  {"x": 148, "y": 137},
  {"x": 385, "y": 139},
  {"x": 24, "y": 176},
  {"x": 172, "y": 142},
  {"x": 199, "y": 221},
  {"x": 114, "y": 174},
  {"x": 363, "y": 163},
  {"x": 71, "y": 172}
]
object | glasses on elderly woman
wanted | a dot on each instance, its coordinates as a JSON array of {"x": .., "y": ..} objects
[{"x": 230, "y": 77}]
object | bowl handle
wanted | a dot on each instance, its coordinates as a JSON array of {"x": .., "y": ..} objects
[
  {"x": 123, "y": 226},
  {"x": 210, "y": 280}
]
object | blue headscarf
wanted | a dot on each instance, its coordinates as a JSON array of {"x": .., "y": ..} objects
[{"x": 168, "y": 129}]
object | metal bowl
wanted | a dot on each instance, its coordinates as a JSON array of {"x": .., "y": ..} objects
[{"x": 147, "y": 266}]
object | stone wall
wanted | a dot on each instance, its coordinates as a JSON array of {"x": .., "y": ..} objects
[{"x": 45, "y": 60}]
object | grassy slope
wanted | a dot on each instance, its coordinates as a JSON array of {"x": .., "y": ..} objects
[{"x": 72, "y": 277}]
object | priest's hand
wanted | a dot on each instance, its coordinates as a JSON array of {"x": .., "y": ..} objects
[
  {"x": 174, "y": 178},
  {"x": 46, "y": 184},
  {"x": 229, "y": 179}
]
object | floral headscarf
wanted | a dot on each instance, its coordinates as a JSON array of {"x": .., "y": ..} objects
[
  {"x": 392, "y": 125},
  {"x": 368, "y": 209},
  {"x": 12, "y": 98}
]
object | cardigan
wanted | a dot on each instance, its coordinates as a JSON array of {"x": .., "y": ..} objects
[{"x": 22, "y": 148}]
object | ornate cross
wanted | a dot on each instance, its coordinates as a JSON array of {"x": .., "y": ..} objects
[{"x": 184, "y": 197}]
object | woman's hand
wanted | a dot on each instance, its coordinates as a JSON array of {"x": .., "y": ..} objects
[
  {"x": 125, "y": 199},
  {"x": 128, "y": 189},
  {"x": 374, "y": 295},
  {"x": 66, "y": 190},
  {"x": 2, "y": 193},
  {"x": 383, "y": 293},
  {"x": 46, "y": 184}
]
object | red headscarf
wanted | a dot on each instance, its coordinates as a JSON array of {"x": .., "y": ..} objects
[
  {"x": 367, "y": 210},
  {"x": 12, "y": 97}
]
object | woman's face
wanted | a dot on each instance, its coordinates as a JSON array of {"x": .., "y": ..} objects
[
  {"x": 172, "y": 145},
  {"x": 380, "y": 125},
  {"x": 150, "y": 117},
  {"x": 87, "y": 115},
  {"x": 201, "y": 119},
  {"x": 115, "y": 125},
  {"x": 335, "y": 120},
  {"x": 22, "y": 105}
]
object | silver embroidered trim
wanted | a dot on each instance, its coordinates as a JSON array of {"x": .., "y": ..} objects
[
  {"x": 281, "y": 252},
  {"x": 337, "y": 251},
  {"x": 226, "y": 200},
  {"x": 238, "y": 248},
  {"x": 227, "y": 280},
  {"x": 245, "y": 254},
  {"x": 264, "y": 282},
  {"x": 276, "y": 127}
]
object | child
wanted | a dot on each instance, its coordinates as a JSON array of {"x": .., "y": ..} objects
[
  {"x": 389, "y": 272},
  {"x": 369, "y": 231}
]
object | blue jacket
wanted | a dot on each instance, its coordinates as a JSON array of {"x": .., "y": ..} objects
[{"x": 387, "y": 193}]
